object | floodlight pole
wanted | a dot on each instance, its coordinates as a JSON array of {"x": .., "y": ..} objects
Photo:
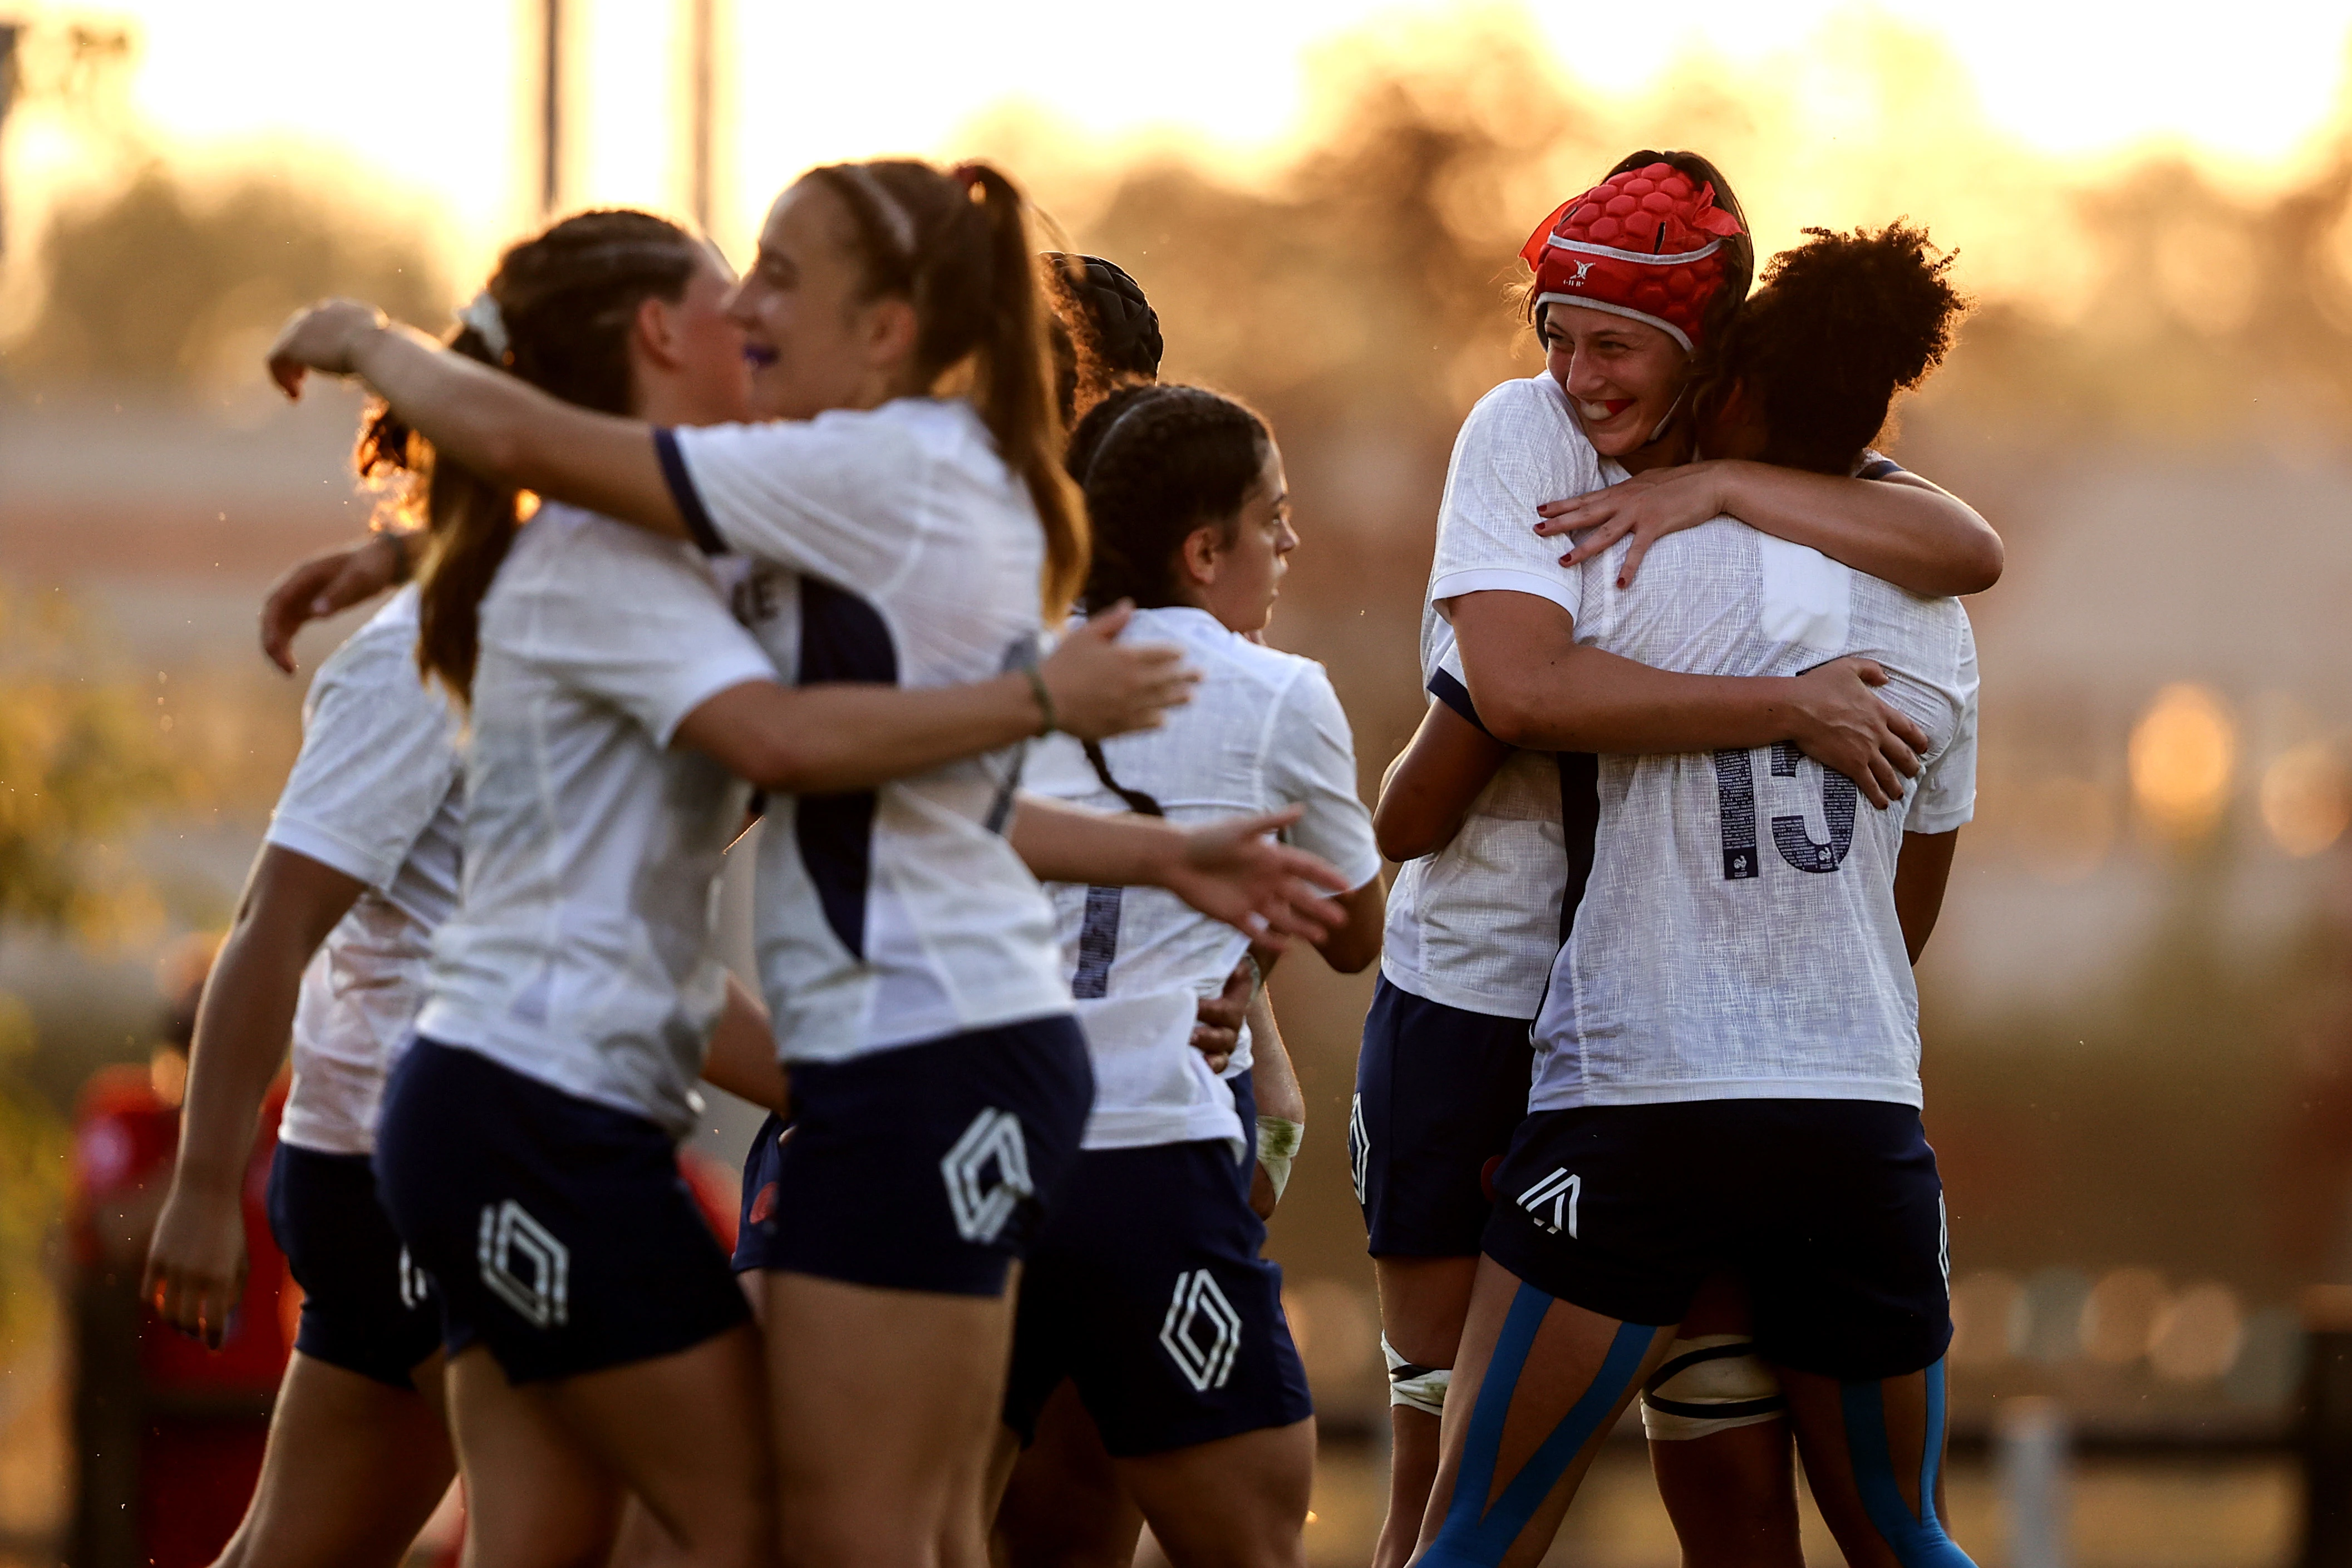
[
  {"x": 701, "y": 26},
  {"x": 10, "y": 32},
  {"x": 550, "y": 106}
]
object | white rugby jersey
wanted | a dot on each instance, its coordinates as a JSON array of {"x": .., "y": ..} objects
[
  {"x": 1475, "y": 925},
  {"x": 1264, "y": 730},
  {"x": 896, "y": 546},
  {"x": 580, "y": 953},
  {"x": 375, "y": 795},
  {"x": 1736, "y": 935}
]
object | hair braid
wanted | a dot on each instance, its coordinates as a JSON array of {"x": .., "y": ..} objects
[
  {"x": 568, "y": 298},
  {"x": 1158, "y": 462}
]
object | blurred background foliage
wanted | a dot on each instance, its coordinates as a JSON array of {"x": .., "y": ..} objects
[{"x": 2153, "y": 400}]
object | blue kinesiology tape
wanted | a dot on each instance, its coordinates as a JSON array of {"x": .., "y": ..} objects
[
  {"x": 1474, "y": 1534},
  {"x": 1919, "y": 1541}
]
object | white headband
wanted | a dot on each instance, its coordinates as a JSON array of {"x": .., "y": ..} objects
[{"x": 482, "y": 314}]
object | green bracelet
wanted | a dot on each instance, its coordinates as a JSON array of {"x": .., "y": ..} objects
[{"x": 1045, "y": 700}]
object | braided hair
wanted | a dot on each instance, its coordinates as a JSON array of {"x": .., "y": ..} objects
[
  {"x": 1842, "y": 323},
  {"x": 1158, "y": 462},
  {"x": 568, "y": 300},
  {"x": 1104, "y": 332}
]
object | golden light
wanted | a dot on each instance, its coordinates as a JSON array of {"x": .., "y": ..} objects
[
  {"x": 2120, "y": 1319},
  {"x": 2306, "y": 799},
  {"x": 2183, "y": 753},
  {"x": 2196, "y": 1337},
  {"x": 2069, "y": 825}
]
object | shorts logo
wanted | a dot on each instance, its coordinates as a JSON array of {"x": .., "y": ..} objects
[
  {"x": 510, "y": 1236},
  {"x": 984, "y": 1205},
  {"x": 1199, "y": 1309},
  {"x": 1560, "y": 1191},
  {"x": 1360, "y": 1147},
  {"x": 1944, "y": 1244},
  {"x": 416, "y": 1284}
]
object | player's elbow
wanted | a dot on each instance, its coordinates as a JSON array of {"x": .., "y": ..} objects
[
  {"x": 1405, "y": 834},
  {"x": 1513, "y": 715},
  {"x": 1982, "y": 565},
  {"x": 1349, "y": 951}
]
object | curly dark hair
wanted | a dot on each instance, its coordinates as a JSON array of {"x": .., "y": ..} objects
[
  {"x": 1840, "y": 324},
  {"x": 1157, "y": 461}
]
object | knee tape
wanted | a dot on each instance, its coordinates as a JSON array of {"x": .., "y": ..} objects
[
  {"x": 1478, "y": 1533},
  {"x": 1918, "y": 1539},
  {"x": 1413, "y": 1385},
  {"x": 1708, "y": 1384}
]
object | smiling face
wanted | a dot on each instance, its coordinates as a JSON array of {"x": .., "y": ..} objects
[
  {"x": 1622, "y": 376},
  {"x": 1233, "y": 568},
  {"x": 811, "y": 342}
]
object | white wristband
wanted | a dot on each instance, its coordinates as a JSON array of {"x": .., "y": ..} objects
[{"x": 1278, "y": 1138}]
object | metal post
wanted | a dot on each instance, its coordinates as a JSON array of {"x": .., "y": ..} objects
[
  {"x": 550, "y": 106},
  {"x": 10, "y": 32},
  {"x": 2325, "y": 1427},
  {"x": 2032, "y": 1462},
  {"x": 701, "y": 44}
]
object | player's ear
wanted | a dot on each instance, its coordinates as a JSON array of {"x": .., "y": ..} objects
[{"x": 1198, "y": 557}]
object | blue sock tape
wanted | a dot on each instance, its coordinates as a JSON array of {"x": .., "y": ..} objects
[
  {"x": 1474, "y": 1534},
  {"x": 1920, "y": 1541}
]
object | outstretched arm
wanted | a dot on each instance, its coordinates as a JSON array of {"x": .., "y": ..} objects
[
  {"x": 1232, "y": 871},
  {"x": 496, "y": 425},
  {"x": 823, "y": 739},
  {"x": 196, "y": 1263},
  {"x": 1535, "y": 687},
  {"x": 1899, "y": 529}
]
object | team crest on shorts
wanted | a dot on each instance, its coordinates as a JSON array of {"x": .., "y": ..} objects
[
  {"x": 1202, "y": 1332},
  {"x": 509, "y": 1236},
  {"x": 987, "y": 1173},
  {"x": 1551, "y": 1202}
]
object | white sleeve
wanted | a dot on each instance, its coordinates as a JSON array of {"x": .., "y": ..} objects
[
  {"x": 640, "y": 624},
  {"x": 1947, "y": 794},
  {"x": 805, "y": 494},
  {"x": 1514, "y": 453},
  {"x": 1311, "y": 762},
  {"x": 378, "y": 758}
]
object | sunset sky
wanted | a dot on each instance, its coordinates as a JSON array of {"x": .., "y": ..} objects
[{"x": 431, "y": 99}]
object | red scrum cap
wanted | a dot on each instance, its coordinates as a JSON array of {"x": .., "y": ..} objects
[{"x": 1645, "y": 243}]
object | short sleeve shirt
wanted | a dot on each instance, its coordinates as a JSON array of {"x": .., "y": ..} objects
[
  {"x": 375, "y": 795},
  {"x": 1475, "y": 925},
  {"x": 1264, "y": 730},
  {"x": 891, "y": 545},
  {"x": 1737, "y": 936},
  {"x": 581, "y": 955}
]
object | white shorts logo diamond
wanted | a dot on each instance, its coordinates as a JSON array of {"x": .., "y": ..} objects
[
  {"x": 1360, "y": 1147},
  {"x": 982, "y": 1206},
  {"x": 510, "y": 1236},
  {"x": 1560, "y": 1190},
  {"x": 1202, "y": 1332}
]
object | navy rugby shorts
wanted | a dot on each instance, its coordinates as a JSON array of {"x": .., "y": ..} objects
[
  {"x": 927, "y": 1166},
  {"x": 756, "y": 1228},
  {"x": 1439, "y": 1092},
  {"x": 558, "y": 1231},
  {"x": 365, "y": 1307},
  {"x": 1831, "y": 1208},
  {"x": 1146, "y": 1288}
]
